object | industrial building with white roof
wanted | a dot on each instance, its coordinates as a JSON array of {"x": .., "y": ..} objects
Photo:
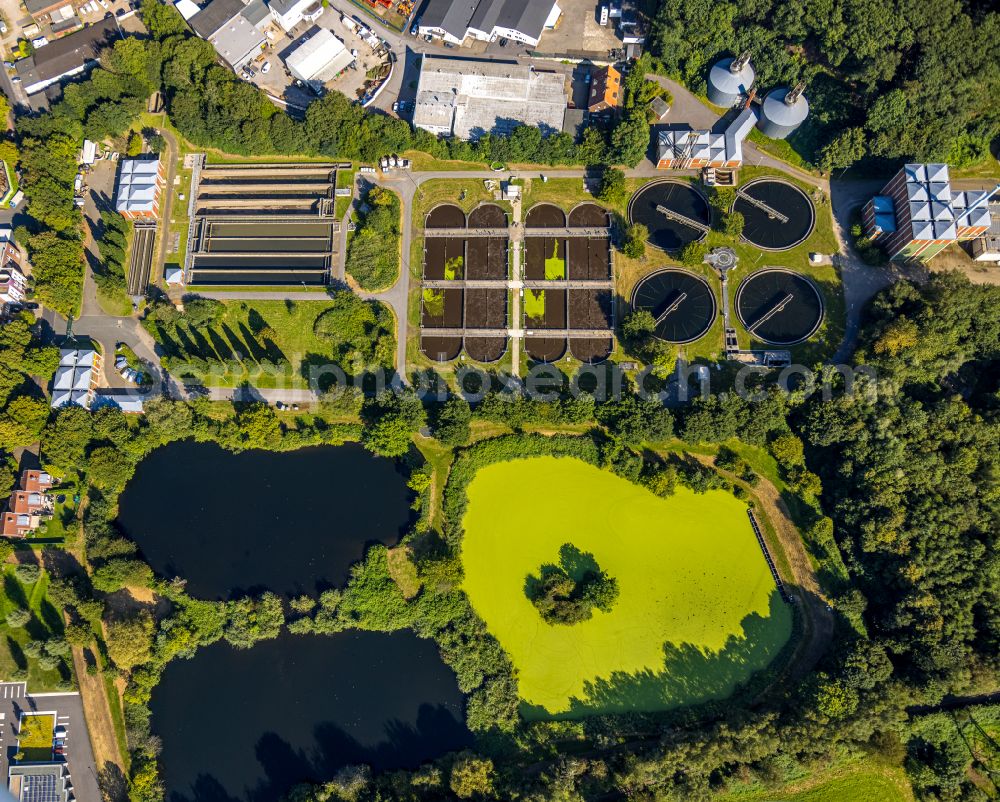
[
  {"x": 917, "y": 215},
  {"x": 320, "y": 58},
  {"x": 139, "y": 184},
  {"x": 76, "y": 377},
  {"x": 684, "y": 149},
  {"x": 467, "y": 98},
  {"x": 488, "y": 20}
]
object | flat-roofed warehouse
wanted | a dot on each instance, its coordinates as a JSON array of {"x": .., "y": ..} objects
[{"x": 467, "y": 98}]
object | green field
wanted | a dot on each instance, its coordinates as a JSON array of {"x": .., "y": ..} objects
[
  {"x": 887, "y": 785},
  {"x": 697, "y": 614}
]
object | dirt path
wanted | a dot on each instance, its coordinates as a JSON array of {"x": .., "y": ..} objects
[
  {"x": 817, "y": 618},
  {"x": 98, "y": 714}
]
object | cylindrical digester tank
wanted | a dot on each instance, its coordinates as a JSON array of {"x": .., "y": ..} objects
[
  {"x": 779, "y": 117},
  {"x": 726, "y": 84}
]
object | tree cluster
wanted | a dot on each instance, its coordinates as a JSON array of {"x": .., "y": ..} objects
[
  {"x": 569, "y": 592},
  {"x": 373, "y": 251},
  {"x": 903, "y": 80}
]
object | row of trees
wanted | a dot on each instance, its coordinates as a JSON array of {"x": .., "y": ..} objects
[
  {"x": 104, "y": 105},
  {"x": 113, "y": 244}
]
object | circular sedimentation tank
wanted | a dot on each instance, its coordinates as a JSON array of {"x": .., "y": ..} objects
[
  {"x": 665, "y": 232},
  {"x": 728, "y": 80},
  {"x": 779, "y": 307},
  {"x": 681, "y": 302},
  {"x": 778, "y": 117},
  {"x": 777, "y": 214}
]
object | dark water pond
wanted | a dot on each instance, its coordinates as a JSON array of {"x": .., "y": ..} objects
[
  {"x": 290, "y": 522},
  {"x": 249, "y": 725}
]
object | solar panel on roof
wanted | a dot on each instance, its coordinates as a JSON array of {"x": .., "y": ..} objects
[{"x": 39, "y": 788}]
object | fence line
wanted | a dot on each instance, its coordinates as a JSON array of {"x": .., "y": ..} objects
[{"x": 767, "y": 556}]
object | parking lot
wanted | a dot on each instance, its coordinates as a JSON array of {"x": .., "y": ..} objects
[
  {"x": 67, "y": 709},
  {"x": 580, "y": 32},
  {"x": 280, "y": 83}
]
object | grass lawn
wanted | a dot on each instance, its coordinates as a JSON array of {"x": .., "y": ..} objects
[
  {"x": 345, "y": 179},
  {"x": 34, "y": 737},
  {"x": 294, "y": 339},
  {"x": 864, "y": 781},
  {"x": 697, "y": 614},
  {"x": 46, "y": 622}
]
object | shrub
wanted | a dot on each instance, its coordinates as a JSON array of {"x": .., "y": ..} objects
[{"x": 27, "y": 573}]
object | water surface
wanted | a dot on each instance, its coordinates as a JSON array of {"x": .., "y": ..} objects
[
  {"x": 248, "y": 725},
  {"x": 292, "y": 522}
]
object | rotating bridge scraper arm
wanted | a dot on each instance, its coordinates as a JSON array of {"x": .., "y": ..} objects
[
  {"x": 671, "y": 308},
  {"x": 771, "y": 313},
  {"x": 769, "y": 210},
  {"x": 670, "y": 214}
]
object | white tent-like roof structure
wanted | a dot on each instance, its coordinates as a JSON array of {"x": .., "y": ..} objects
[
  {"x": 320, "y": 58},
  {"x": 137, "y": 186},
  {"x": 76, "y": 377}
]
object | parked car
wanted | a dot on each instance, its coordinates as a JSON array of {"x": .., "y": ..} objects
[
  {"x": 503, "y": 41},
  {"x": 265, "y": 67},
  {"x": 30, "y": 305}
]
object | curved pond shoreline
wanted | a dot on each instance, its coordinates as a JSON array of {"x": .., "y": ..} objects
[
  {"x": 290, "y": 522},
  {"x": 249, "y": 725}
]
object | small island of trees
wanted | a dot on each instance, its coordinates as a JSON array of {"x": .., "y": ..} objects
[{"x": 569, "y": 593}]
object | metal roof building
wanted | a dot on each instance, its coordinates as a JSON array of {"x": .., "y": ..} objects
[
  {"x": 468, "y": 98},
  {"x": 40, "y": 782},
  {"x": 139, "y": 184},
  {"x": 488, "y": 20},
  {"x": 686, "y": 150},
  {"x": 76, "y": 377},
  {"x": 926, "y": 215},
  {"x": 65, "y": 57},
  {"x": 229, "y": 25},
  {"x": 187, "y": 8},
  {"x": 320, "y": 58}
]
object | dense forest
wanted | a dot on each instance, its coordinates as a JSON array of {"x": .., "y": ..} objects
[{"x": 904, "y": 79}]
